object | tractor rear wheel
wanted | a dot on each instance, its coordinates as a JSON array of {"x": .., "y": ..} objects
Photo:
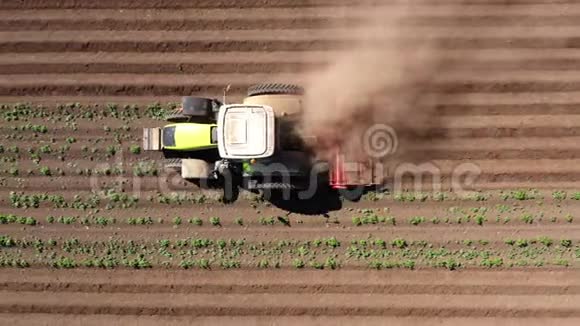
[
  {"x": 177, "y": 118},
  {"x": 275, "y": 89},
  {"x": 285, "y": 99},
  {"x": 200, "y": 109}
]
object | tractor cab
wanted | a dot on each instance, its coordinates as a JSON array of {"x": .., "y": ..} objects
[{"x": 246, "y": 132}]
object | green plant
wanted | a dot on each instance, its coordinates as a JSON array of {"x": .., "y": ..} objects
[
  {"x": 263, "y": 263},
  {"x": 239, "y": 221},
  {"x": 71, "y": 140},
  {"x": 416, "y": 220},
  {"x": 332, "y": 242},
  {"x": 562, "y": 262},
  {"x": 316, "y": 265},
  {"x": 196, "y": 221},
  {"x": 569, "y": 218},
  {"x": 479, "y": 219},
  {"x": 477, "y": 196},
  {"x": 566, "y": 243},
  {"x": 215, "y": 221},
  {"x": 267, "y": 220},
  {"x": 449, "y": 263},
  {"x": 559, "y": 195},
  {"x": 64, "y": 262},
  {"x": 409, "y": 264},
  {"x": 111, "y": 150},
  {"x": 45, "y": 149},
  {"x": 545, "y": 241},
  {"x": 527, "y": 218},
  {"x": 399, "y": 243},
  {"x": 45, "y": 170},
  {"x": 13, "y": 171},
  {"x": 492, "y": 262},
  {"x": 523, "y": 195},
  {"x": 204, "y": 263},
  {"x": 177, "y": 220},
  {"x": 135, "y": 149},
  {"x": 298, "y": 263},
  {"x": 439, "y": 196},
  {"x": 331, "y": 263},
  {"x": 521, "y": 243}
]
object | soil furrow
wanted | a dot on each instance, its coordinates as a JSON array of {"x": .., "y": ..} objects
[
  {"x": 179, "y": 4},
  {"x": 312, "y": 288}
]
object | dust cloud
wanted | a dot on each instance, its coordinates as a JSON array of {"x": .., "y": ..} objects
[{"x": 382, "y": 77}]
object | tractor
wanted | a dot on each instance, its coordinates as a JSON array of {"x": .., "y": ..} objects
[{"x": 253, "y": 145}]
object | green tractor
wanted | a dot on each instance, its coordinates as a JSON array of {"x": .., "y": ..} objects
[
  {"x": 189, "y": 142},
  {"x": 253, "y": 145}
]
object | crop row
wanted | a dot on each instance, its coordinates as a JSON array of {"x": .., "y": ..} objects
[
  {"x": 109, "y": 198},
  {"x": 137, "y": 169},
  {"x": 76, "y": 111},
  {"x": 507, "y": 195},
  {"x": 317, "y": 253}
]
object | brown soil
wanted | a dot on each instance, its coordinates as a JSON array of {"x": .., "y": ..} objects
[
  {"x": 265, "y": 297},
  {"x": 508, "y": 104}
]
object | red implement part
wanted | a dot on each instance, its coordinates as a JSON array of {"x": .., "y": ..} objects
[
  {"x": 337, "y": 175},
  {"x": 345, "y": 174}
]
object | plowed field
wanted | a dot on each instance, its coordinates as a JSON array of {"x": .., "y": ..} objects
[{"x": 93, "y": 231}]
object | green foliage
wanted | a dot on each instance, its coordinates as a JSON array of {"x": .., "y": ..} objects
[
  {"x": 267, "y": 220},
  {"x": 332, "y": 242},
  {"x": 298, "y": 263},
  {"x": 416, "y": 220},
  {"x": 545, "y": 241},
  {"x": 566, "y": 243},
  {"x": 331, "y": 263},
  {"x": 399, "y": 243},
  {"x": 196, "y": 221},
  {"x": 215, "y": 221},
  {"x": 45, "y": 170},
  {"x": 521, "y": 195},
  {"x": 480, "y": 219},
  {"x": 527, "y": 218},
  {"x": 492, "y": 262},
  {"x": 46, "y": 149},
  {"x": 64, "y": 262},
  {"x": 559, "y": 195}
]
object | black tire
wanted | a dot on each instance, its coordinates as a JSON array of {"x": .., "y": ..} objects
[
  {"x": 172, "y": 164},
  {"x": 176, "y": 118},
  {"x": 203, "y": 109},
  {"x": 279, "y": 89},
  {"x": 231, "y": 188}
]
